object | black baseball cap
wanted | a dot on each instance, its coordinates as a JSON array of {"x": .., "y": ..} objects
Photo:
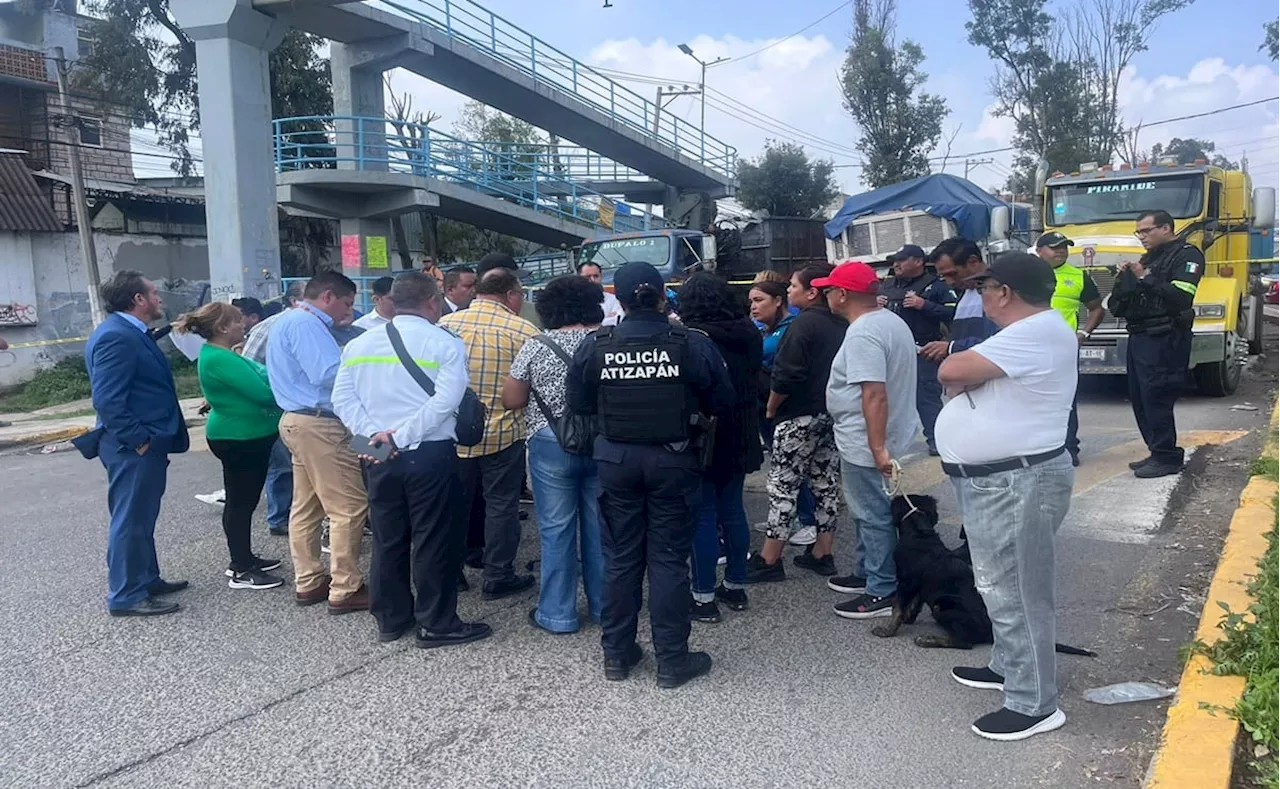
[
  {"x": 1054, "y": 240},
  {"x": 907, "y": 252},
  {"x": 631, "y": 277},
  {"x": 498, "y": 260},
  {"x": 1025, "y": 274}
]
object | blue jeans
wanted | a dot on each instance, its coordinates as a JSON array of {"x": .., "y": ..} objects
[
  {"x": 279, "y": 486},
  {"x": 566, "y": 500},
  {"x": 1010, "y": 519},
  {"x": 721, "y": 505},
  {"x": 870, "y": 511}
]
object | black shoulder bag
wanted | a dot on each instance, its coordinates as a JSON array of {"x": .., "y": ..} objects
[
  {"x": 471, "y": 412},
  {"x": 576, "y": 433}
]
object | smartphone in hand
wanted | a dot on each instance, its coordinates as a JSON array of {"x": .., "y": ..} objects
[{"x": 380, "y": 451}]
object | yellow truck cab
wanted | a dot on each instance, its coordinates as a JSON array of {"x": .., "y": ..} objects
[{"x": 1213, "y": 209}]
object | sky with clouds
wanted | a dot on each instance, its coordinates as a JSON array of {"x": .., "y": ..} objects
[{"x": 1200, "y": 59}]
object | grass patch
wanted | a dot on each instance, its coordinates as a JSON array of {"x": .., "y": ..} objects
[
  {"x": 1250, "y": 648},
  {"x": 68, "y": 381},
  {"x": 1266, "y": 467}
]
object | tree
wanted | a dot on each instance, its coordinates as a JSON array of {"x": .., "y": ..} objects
[
  {"x": 1058, "y": 79},
  {"x": 144, "y": 66},
  {"x": 1190, "y": 150},
  {"x": 784, "y": 182},
  {"x": 880, "y": 80},
  {"x": 1271, "y": 45}
]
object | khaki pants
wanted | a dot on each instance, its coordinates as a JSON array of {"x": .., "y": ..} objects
[{"x": 326, "y": 480}]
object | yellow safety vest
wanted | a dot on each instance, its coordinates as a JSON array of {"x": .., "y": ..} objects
[{"x": 1066, "y": 294}]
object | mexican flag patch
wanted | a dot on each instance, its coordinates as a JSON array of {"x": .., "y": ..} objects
[{"x": 1193, "y": 267}]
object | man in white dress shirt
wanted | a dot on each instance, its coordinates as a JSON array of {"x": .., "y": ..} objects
[
  {"x": 383, "y": 309},
  {"x": 612, "y": 308},
  {"x": 414, "y": 495}
]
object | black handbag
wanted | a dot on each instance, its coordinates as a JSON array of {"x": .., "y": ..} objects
[
  {"x": 471, "y": 413},
  {"x": 576, "y": 433}
]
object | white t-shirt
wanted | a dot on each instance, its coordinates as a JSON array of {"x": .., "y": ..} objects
[
  {"x": 612, "y": 309},
  {"x": 1026, "y": 411},
  {"x": 370, "y": 320}
]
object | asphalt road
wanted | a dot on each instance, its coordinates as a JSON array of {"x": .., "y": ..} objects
[{"x": 242, "y": 688}]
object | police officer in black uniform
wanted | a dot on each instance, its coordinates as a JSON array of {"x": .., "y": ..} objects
[
  {"x": 926, "y": 304},
  {"x": 1154, "y": 296},
  {"x": 646, "y": 380}
]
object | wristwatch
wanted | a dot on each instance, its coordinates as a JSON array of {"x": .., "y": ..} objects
[{"x": 1084, "y": 334}]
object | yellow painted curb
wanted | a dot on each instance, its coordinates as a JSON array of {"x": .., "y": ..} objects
[
  {"x": 47, "y": 437},
  {"x": 1198, "y": 745}
]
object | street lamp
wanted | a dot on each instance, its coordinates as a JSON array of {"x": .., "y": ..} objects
[{"x": 702, "y": 84}]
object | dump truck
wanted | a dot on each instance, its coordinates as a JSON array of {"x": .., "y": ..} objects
[{"x": 1213, "y": 209}]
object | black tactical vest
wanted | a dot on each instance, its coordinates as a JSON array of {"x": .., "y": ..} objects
[
  {"x": 1148, "y": 311},
  {"x": 643, "y": 395}
]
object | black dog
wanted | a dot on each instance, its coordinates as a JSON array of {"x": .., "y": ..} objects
[{"x": 931, "y": 574}]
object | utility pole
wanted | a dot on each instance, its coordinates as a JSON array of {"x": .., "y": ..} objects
[
  {"x": 971, "y": 163},
  {"x": 668, "y": 93},
  {"x": 71, "y": 124},
  {"x": 702, "y": 83}
]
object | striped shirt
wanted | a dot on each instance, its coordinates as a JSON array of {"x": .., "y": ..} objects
[
  {"x": 971, "y": 325},
  {"x": 493, "y": 335}
]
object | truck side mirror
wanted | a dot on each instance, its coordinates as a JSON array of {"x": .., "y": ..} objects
[
  {"x": 1000, "y": 222},
  {"x": 1264, "y": 208},
  {"x": 709, "y": 252}
]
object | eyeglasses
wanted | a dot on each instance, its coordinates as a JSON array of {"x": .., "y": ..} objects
[
  {"x": 990, "y": 285},
  {"x": 1143, "y": 232}
]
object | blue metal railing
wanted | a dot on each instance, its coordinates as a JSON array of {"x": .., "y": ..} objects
[
  {"x": 512, "y": 172},
  {"x": 470, "y": 22},
  {"x": 570, "y": 161}
]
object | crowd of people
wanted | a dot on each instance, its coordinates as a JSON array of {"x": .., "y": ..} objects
[{"x": 637, "y": 435}]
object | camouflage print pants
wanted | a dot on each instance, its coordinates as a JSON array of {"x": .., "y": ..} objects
[{"x": 804, "y": 448}]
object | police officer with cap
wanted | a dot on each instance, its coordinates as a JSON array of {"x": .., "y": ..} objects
[
  {"x": 646, "y": 381},
  {"x": 1074, "y": 288},
  {"x": 926, "y": 304},
  {"x": 1155, "y": 296}
]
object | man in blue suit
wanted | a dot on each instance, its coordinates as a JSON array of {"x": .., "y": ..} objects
[{"x": 139, "y": 426}]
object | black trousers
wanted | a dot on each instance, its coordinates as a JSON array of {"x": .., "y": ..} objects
[
  {"x": 649, "y": 498},
  {"x": 1157, "y": 371},
  {"x": 244, "y": 474},
  {"x": 415, "y": 505},
  {"x": 499, "y": 478}
]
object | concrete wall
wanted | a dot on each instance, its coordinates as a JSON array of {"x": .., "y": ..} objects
[{"x": 180, "y": 269}]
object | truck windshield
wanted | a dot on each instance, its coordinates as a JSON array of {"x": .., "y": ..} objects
[
  {"x": 1110, "y": 200},
  {"x": 612, "y": 253}
]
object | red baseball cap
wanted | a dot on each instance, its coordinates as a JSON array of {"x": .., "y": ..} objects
[{"x": 851, "y": 275}]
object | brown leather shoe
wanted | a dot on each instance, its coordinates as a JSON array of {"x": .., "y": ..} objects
[
  {"x": 317, "y": 595},
  {"x": 356, "y": 601}
]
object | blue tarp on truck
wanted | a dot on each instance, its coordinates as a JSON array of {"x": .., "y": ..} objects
[{"x": 961, "y": 201}]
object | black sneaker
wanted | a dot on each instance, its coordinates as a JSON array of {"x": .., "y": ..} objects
[
  {"x": 735, "y": 599},
  {"x": 704, "y": 612},
  {"x": 254, "y": 579},
  {"x": 618, "y": 670},
  {"x": 1009, "y": 726},
  {"x": 864, "y": 606},
  {"x": 279, "y": 531},
  {"x": 1155, "y": 469},
  {"x": 1137, "y": 464},
  {"x": 848, "y": 584},
  {"x": 475, "y": 558},
  {"x": 760, "y": 572},
  {"x": 1075, "y": 459},
  {"x": 982, "y": 678},
  {"x": 694, "y": 665},
  {"x": 825, "y": 566},
  {"x": 260, "y": 564},
  {"x": 496, "y": 590}
]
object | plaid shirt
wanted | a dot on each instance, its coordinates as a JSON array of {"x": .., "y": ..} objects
[
  {"x": 255, "y": 344},
  {"x": 493, "y": 335}
]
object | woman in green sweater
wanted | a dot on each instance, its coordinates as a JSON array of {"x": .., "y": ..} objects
[{"x": 242, "y": 429}]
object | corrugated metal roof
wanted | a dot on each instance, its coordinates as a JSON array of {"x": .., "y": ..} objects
[{"x": 23, "y": 207}]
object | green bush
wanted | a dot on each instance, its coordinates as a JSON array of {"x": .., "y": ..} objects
[{"x": 68, "y": 380}]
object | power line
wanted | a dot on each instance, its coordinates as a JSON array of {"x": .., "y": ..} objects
[{"x": 773, "y": 44}]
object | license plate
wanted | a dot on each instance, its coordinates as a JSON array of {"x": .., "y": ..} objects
[{"x": 1093, "y": 353}]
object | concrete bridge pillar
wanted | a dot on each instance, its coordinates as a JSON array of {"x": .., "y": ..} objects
[
  {"x": 232, "y": 41},
  {"x": 362, "y": 144}
]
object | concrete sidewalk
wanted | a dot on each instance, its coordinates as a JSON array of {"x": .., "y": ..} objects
[{"x": 60, "y": 423}]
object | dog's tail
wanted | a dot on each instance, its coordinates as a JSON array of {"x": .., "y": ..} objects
[{"x": 1067, "y": 649}]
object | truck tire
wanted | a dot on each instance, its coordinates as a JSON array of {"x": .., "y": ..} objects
[
  {"x": 1217, "y": 379},
  {"x": 1255, "y": 341}
]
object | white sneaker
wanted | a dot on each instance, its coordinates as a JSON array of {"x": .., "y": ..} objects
[
  {"x": 806, "y": 536},
  {"x": 218, "y": 498}
]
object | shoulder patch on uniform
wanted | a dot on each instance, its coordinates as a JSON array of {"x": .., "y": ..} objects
[{"x": 1193, "y": 267}]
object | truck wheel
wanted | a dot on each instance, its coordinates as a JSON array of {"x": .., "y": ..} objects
[{"x": 1217, "y": 379}]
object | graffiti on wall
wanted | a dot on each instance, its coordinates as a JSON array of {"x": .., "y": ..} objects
[{"x": 16, "y": 314}]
